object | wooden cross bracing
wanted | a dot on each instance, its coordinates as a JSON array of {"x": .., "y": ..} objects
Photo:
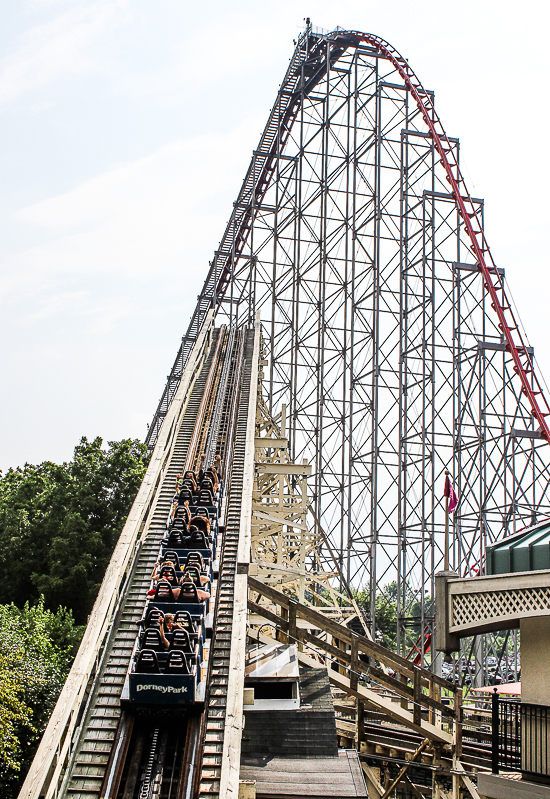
[{"x": 285, "y": 551}]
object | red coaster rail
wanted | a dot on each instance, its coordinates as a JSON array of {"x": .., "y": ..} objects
[{"x": 493, "y": 280}]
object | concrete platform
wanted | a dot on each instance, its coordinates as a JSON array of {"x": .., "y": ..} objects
[
  {"x": 314, "y": 777},
  {"x": 497, "y": 786}
]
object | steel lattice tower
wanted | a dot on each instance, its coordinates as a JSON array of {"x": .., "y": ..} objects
[{"x": 390, "y": 334}]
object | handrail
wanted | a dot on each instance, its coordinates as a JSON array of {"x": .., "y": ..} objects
[{"x": 342, "y": 633}]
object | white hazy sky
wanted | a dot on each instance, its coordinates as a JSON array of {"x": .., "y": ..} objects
[{"x": 126, "y": 127}]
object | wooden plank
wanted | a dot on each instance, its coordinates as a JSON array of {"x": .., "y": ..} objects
[
  {"x": 376, "y": 789},
  {"x": 466, "y": 779},
  {"x": 389, "y": 708},
  {"x": 347, "y": 728},
  {"x": 280, "y": 517},
  {"x": 231, "y": 757},
  {"x": 292, "y": 631},
  {"x": 313, "y": 777},
  {"x": 330, "y": 776},
  {"x": 284, "y": 468},
  {"x": 405, "y": 768},
  {"x": 356, "y": 773},
  {"x": 305, "y": 765},
  {"x": 271, "y": 443},
  {"x": 413, "y": 787},
  {"x": 499, "y": 582},
  {"x": 298, "y": 789},
  {"x": 354, "y": 663},
  {"x": 267, "y": 614},
  {"x": 458, "y": 727},
  {"x": 417, "y": 696}
]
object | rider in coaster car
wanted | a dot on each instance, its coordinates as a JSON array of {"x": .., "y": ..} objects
[
  {"x": 202, "y": 523},
  {"x": 168, "y": 626},
  {"x": 206, "y": 496},
  {"x": 189, "y": 475},
  {"x": 196, "y": 539},
  {"x": 186, "y": 480},
  {"x": 180, "y": 513},
  {"x": 195, "y": 559},
  {"x": 158, "y": 574},
  {"x": 193, "y": 570},
  {"x": 210, "y": 474},
  {"x": 189, "y": 577},
  {"x": 202, "y": 463}
]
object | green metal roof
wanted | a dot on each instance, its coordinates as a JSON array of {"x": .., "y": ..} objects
[{"x": 528, "y": 550}]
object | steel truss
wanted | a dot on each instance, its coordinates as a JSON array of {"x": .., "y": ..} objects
[{"x": 391, "y": 336}]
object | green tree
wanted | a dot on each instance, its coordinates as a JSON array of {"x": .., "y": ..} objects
[
  {"x": 59, "y": 523},
  {"x": 385, "y": 612},
  {"x": 36, "y": 651}
]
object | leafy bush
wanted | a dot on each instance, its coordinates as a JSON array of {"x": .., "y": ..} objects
[{"x": 36, "y": 651}]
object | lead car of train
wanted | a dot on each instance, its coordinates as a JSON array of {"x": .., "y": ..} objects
[{"x": 168, "y": 663}]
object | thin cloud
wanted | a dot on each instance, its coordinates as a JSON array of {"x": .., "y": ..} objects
[
  {"x": 65, "y": 46},
  {"x": 156, "y": 219}
]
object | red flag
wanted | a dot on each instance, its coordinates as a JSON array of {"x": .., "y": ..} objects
[{"x": 451, "y": 493}]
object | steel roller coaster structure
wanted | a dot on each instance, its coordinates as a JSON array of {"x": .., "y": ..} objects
[{"x": 390, "y": 334}]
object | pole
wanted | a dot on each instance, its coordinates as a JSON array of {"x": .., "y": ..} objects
[
  {"x": 446, "y": 550},
  {"x": 495, "y": 738}
]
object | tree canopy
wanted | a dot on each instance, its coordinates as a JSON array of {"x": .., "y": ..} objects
[
  {"x": 59, "y": 523},
  {"x": 386, "y": 614}
]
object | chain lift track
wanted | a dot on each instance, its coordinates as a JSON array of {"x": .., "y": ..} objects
[
  {"x": 92, "y": 754},
  {"x": 115, "y": 753}
]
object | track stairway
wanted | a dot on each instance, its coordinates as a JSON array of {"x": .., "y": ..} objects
[{"x": 215, "y": 712}]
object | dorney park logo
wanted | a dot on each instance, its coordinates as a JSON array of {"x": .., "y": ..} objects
[{"x": 164, "y": 689}]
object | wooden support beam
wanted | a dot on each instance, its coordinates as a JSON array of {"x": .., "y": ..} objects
[
  {"x": 466, "y": 780},
  {"x": 404, "y": 770},
  {"x": 284, "y": 468},
  {"x": 267, "y": 614},
  {"x": 389, "y": 708},
  {"x": 271, "y": 443},
  {"x": 413, "y": 787},
  {"x": 458, "y": 726},
  {"x": 376, "y": 651},
  {"x": 354, "y": 664},
  {"x": 360, "y": 722},
  {"x": 375, "y": 790},
  {"x": 292, "y": 627},
  {"x": 417, "y": 696}
]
